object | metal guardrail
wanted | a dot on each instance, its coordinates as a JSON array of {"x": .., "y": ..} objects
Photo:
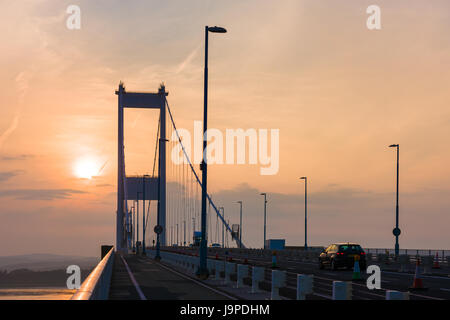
[
  {"x": 96, "y": 286},
  {"x": 411, "y": 252}
]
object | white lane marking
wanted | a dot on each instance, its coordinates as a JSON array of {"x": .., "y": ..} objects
[
  {"x": 136, "y": 285},
  {"x": 198, "y": 282},
  {"x": 426, "y": 297},
  {"x": 371, "y": 293},
  {"x": 422, "y": 275},
  {"x": 444, "y": 289},
  {"x": 323, "y": 296}
]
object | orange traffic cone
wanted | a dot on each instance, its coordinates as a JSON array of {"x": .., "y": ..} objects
[
  {"x": 436, "y": 262},
  {"x": 417, "y": 283},
  {"x": 217, "y": 256}
]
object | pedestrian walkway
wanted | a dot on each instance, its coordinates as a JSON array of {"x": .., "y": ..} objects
[{"x": 155, "y": 281}]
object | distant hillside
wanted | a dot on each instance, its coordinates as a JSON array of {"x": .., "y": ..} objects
[
  {"x": 23, "y": 278},
  {"x": 45, "y": 262}
]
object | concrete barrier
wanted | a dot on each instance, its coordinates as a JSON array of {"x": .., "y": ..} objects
[
  {"x": 304, "y": 285},
  {"x": 342, "y": 290},
  {"x": 396, "y": 295},
  {"x": 97, "y": 284},
  {"x": 242, "y": 272},
  {"x": 278, "y": 281},
  {"x": 219, "y": 268},
  {"x": 230, "y": 268},
  {"x": 257, "y": 277}
]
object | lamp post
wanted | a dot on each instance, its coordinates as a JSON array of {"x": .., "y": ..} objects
[
  {"x": 133, "y": 229},
  {"x": 202, "y": 271},
  {"x": 265, "y": 227},
  {"x": 240, "y": 224},
  {"x": 143, "y": 213},
  {"x": 223, "y": 226},
  {"x": 396, "y": 230},
  {"x": 137, "y": 219},
  {"x": 306, "y": 211}
]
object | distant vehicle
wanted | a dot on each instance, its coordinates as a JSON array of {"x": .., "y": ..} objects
[
  {"x": 275, "y": 244},
  {"x": 174, "y": 245},
  {"x": 339, "y": 255},
  {"x": 197, "y": 238},
  {"x": 216, "y": 245}
]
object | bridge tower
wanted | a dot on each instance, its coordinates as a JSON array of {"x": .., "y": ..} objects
[{"x": 155, "y": 188}]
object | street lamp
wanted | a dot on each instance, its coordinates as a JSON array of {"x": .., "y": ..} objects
[
  {"x": 184, "y": 233},
  {"x": 306, "y": 209},
  {"x": 133, "y": 227},
  {"x": 223, "y": 226},
  {"x": 265, "y": 205},
  {"x": 396, "y": 230},
  {"x": 145, "y": 176},
  {"x": 137, "y": 221},
  {"x": 202, "y": 271},
  {"x": 240, "y": 225}
]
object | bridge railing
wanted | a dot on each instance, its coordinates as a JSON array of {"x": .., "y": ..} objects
[
  {"x": 96, "y": 286},
  {"x": 442, "y": 254}
]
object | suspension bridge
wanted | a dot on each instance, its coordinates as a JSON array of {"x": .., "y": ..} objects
[
  {"x": 168, "y": 269},
  {"x": 174, "y": 187}
]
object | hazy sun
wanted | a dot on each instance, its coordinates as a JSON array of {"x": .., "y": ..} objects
[{"x": 86, "y": 168}]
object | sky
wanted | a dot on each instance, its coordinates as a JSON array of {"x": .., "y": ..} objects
[{"x": 338, "y": 92}]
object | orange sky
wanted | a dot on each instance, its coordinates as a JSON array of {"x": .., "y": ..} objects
[{"x": 338, "y": 92}]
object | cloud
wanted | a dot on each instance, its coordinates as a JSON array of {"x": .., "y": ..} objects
[
  {"x": 17, "y": 157},
  {"x": 6, "y": 175},
  {"x": 9, "y": 130},
  {"x": 334, "y": 214},
  {"x": 104, "y": 185},
  {"x": 40, "y": 194},
  {"x": 188, "y": 59}
]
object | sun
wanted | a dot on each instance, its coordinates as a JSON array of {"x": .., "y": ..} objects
[{"x": 86, "y": 168}]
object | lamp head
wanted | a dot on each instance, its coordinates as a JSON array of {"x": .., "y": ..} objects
[
  {"x": 393, "y": 146},
  {"x": 302, "y": 178},
  {"x": 216, "y": 29}
]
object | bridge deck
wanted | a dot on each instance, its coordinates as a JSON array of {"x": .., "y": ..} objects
[{"x": 155, "y": 282}]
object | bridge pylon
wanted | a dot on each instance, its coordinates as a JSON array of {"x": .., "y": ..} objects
[{"x": 128, "y": 187}]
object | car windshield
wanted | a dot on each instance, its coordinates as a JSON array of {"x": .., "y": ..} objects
[{"x": 350, "y": 248}]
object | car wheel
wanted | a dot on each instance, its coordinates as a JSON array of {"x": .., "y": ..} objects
[{"x": 333, "y": 265}]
